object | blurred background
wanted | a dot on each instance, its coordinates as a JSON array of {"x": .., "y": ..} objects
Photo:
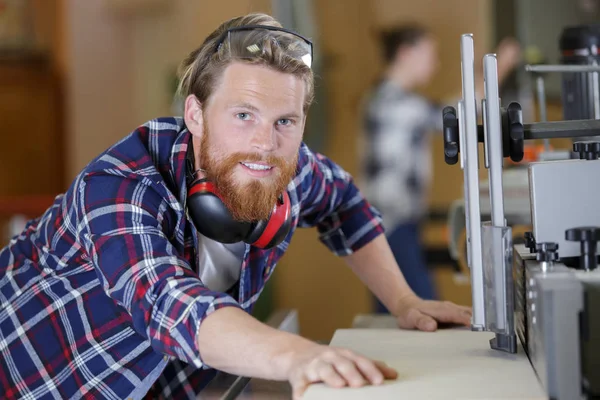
[{"x": 78, "y": 75}]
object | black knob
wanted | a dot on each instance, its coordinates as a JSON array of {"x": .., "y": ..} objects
[
  {"x": 547, "y": 251},
  {"x": 451, "y": 138},
  {"x": 587, "y": 150},
  {"x": 530, "y": 242},
  {"x": 515, "y": 132},
  {"x": 588, "y": 236},
  {"x": 578, "y": 148}
]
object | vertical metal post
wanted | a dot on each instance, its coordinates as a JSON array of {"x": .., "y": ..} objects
[
  {"x": 462, "y": 153},
  {"x": 596, "y": 92},
  {"x": 471, "y": 173},
  {"x": 493, "y": 139},
  {"x": 541, "y": 95}
]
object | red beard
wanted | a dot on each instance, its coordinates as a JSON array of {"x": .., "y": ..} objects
[{"x": 252, "y": 201}]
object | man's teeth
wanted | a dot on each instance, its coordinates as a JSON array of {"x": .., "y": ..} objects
[{"x": 257, "y": 167}]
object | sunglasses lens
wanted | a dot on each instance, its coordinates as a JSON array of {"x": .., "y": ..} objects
[{"x": 255, "y": 42}]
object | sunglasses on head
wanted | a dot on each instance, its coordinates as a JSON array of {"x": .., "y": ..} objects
[{"x": 251, "y": 41}]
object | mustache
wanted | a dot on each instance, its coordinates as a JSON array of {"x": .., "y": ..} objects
[{"x": 255, "y": 157}]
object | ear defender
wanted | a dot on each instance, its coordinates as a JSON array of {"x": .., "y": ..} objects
[{"x": 212, "y": 219}]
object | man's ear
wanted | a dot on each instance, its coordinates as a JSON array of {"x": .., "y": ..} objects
[
  {"x": 194, "y": 118},
  {"x": 304, "y": 122}
]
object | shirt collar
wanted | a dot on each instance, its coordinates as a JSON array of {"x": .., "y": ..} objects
[{"x": 178, "y": 160}]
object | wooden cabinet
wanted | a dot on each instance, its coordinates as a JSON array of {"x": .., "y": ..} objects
[{"x": 31, "y": 144}]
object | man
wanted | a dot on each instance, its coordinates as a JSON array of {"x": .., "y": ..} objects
[
  {"x": 396, "y": 167},
  {"x": 139, "y": 280}
]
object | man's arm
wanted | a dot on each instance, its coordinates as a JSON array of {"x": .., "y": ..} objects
[
  {"x": 386, "y": 281},
  {"x": 124, "y": 223},
  {"x": 232, "y": 341},
  {"x": 351, "y": 227},
  {"x": 376, "y": 266},
  {"x": 331, "y": 202}
]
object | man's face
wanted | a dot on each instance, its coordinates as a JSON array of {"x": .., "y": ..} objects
[{"x": 249, "y": 133}]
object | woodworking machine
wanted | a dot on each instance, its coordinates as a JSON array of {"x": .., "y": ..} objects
[{"x": 542, "y": 294}]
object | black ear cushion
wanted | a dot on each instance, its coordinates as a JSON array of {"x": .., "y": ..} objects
[{"x": 212, "y": 218}]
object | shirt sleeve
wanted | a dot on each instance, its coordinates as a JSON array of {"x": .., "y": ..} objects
[
  {"x": 331, "y": 202},
  {"x": 125, "y": 225}
]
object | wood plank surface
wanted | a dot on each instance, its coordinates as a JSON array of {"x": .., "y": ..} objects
[{"x": 447, "y": 364}]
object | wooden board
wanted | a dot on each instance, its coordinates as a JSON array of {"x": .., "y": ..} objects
[{"x": 447, "y": 364}]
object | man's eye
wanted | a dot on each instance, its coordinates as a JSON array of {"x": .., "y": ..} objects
[
  {"x": 284, "y": 121},
  {"x": 243, "y": 116}
]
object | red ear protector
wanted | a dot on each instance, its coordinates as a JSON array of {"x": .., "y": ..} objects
[{"x": 213, "y": 220}]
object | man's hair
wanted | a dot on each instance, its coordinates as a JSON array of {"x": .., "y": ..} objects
[
  {"x": 393, "y": 38},
  {"x": 201, "y": 69}
]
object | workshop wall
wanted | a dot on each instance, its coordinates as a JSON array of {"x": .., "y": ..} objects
[
  {"x": 31, "y": 109},
  {"x": 122, "y": 56}
]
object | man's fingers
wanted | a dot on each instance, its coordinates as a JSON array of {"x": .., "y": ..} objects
[
  {"x": 463, "y": 309},
  {"x": 465, "y": 317},
  {"x": 386, "y": 370},
  {"x": 374, "y": 371},
  {"x": 448, "y": 312},
  {"x": 349, "y": 371},
  {"x": 451, "y": 312},
  {"x": 329, "y": 375},
  {"x": 425, "y": 315},
  {"x": 339, "y": 368},
  {"x": 468, "y": 310},
  {"x": 321, "y": 371},
  {"x": 421, "y": 321},
  {"x": 426, "y": 323},
  {"x": 369, "y": 369}
]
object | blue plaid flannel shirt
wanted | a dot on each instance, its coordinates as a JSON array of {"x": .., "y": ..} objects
[{"x": 99, "y": 297}]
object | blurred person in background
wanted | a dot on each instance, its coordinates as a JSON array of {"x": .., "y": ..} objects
[
  {"x": 140, "y": 280},
  {"x": 396, "y": 164}
]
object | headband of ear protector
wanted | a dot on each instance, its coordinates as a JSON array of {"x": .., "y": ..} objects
[{"x": 213, "y": 220}]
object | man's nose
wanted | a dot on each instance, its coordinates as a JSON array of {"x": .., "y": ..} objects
[{"x": 264, "y": 138}]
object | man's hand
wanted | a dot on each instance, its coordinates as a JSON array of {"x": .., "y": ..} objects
[
  {"x": 335, "y": 367},
  {"x": 424, "y": 315},
  {"x": 232, "y": 341}
]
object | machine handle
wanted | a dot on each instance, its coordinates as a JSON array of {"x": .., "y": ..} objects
[
  {"x": 530, "y": 242},
  {"x": 587, "y": 150},
  {"x": 547, "y": 251},
  {"x": 588, "y": 236},
  {"x": 451, "y": 141},
  {"x": 516, "y": 132},
  {"x": 513, "y": 133}
]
